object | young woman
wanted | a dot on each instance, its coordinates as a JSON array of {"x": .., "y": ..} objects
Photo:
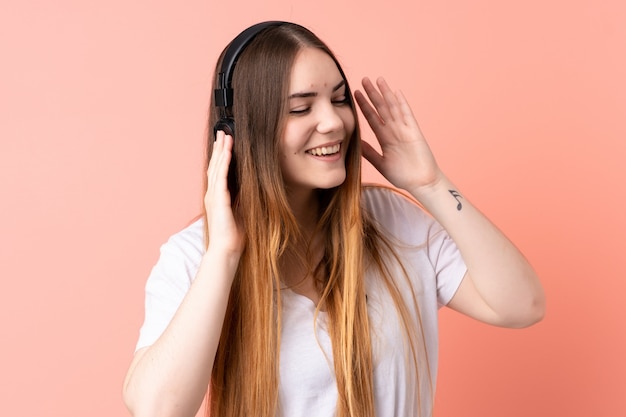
[{"x": 301, "y": 292}]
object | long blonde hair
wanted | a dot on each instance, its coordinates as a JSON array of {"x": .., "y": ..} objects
[{"x": 244, "y": 379}]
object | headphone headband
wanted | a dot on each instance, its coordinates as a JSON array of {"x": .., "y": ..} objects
[{"x": 223, "y": 94}]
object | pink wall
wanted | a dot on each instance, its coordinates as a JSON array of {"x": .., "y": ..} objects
[{"x": 101, "y": 136}]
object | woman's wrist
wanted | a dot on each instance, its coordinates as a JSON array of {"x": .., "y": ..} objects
[
  {"x": 435, "y": 193},
  {"x": 221, "y": 255}
]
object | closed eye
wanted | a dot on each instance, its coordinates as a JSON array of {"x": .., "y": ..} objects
[
  {"x": 341, "y": 100},
  {"x": 300, "y": 111}
]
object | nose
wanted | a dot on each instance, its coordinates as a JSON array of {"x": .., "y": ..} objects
[{"x": 329, "y": 118}]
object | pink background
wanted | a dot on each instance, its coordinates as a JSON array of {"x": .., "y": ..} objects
[{"x": 102, "y": 108}]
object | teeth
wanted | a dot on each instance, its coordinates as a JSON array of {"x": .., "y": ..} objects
[{"x": 325, "y": 150}]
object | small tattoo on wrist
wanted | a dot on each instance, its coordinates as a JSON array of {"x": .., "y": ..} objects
[{"x": 457, "y": 196}]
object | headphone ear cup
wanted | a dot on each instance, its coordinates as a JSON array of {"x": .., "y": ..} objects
[{"x": 227, "y": 125}]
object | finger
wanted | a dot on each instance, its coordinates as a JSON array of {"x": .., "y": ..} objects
[
  {"x": 215, "y": 156},
  {"x": 405, "y": 108},
  {"x": 372, "y": 117},
  {"x": 391, "y": 100},
  {"x": 368, "y": 111},
  {"x": 224, "y": 163},
  {"x": 377, "y": 100},
  {"x": 218, "y": 144},
  {"x": 218, "y": 174}
]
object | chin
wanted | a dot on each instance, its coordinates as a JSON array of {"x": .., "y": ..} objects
[{"x": 332, "y": 183}]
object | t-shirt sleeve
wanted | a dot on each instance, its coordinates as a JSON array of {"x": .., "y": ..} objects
[
  {"x": 412, "y": 226},
  {"x": 169, "y": 281},
  {"x": 447, "y": 262}
]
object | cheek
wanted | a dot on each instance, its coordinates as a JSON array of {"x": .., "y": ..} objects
[
  {"x": 287, "y": 150},
  {"x": 295, "y": 135},
  {"x": 285, "y": 141},
  {"x": 348, "y": 121}
]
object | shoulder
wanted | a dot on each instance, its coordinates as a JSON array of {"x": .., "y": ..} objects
[
  {"x": 397, "y": 213},
  {"x": 170, "y": 279},
  {"x": 178, "y": 262},
  {"x": 376, "y": 197},
  {"x": 191, "y": 237},
  {"x": 184, "y": 249}
]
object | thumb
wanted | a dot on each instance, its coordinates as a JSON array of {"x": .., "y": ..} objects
[{"x": 371, "y": 154}]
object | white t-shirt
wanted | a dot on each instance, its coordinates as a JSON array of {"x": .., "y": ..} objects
[{"x": 307, "y": 387}]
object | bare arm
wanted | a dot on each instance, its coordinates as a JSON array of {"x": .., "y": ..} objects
[
  {"x": 171, "y": 377},
  {"x": 500, "y": 286}
]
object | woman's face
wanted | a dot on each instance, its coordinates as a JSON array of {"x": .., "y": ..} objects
[{"x": 319, "y": 124}]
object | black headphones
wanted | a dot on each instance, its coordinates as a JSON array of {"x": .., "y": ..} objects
[{"x": 223, "y": 94}]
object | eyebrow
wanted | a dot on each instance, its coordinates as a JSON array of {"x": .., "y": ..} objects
[{"x": 314, "y": 94}]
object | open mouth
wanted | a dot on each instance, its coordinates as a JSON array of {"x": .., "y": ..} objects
[{"x": 325, "y": 150}]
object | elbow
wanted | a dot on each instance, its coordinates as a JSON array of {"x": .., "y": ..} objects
[
  {"x": 137, "y": 405},
  {"x": 537, "y": 308},
  {"x": 532, "y": 313},
  {"x": 529, "y": 319},
  {"x": 144, "y": 402},
  {"x": 129, "y": 399},
  {"x": 531, "y": 307},
  {"x": 141, "y": 408},
  {"x": 538, "y": 311}
]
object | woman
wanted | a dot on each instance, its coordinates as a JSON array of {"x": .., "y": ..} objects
[{"x": 301, "y": 292}]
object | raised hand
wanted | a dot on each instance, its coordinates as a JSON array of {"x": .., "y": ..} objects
[
  {"x": 406, "y": 160},
  {"x": 223, "y": 228}
]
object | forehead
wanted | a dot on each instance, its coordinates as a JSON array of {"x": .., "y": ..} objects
[{"x": 313, "y": 69}]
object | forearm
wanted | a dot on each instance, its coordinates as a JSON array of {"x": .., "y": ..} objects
[
  {"x": 171, "y": 377},
  {"x": 500, "y": 274}
]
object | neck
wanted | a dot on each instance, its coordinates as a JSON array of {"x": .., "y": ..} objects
[
  {"x": 299, "y": 263},
  {"x": 305, "y": 207}
]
